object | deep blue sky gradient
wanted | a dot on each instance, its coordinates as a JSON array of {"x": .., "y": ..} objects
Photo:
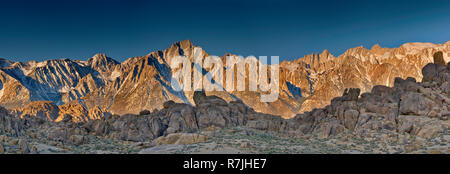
[{"x": 39, "y": 30}]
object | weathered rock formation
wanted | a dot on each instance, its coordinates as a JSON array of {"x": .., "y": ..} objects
[{"x": 409, "y": 107}]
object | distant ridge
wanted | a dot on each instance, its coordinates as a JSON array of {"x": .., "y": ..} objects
[{"x": 143, "y": 82}]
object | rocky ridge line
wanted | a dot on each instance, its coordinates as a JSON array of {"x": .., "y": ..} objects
[
  {"x": 386, "y": 113},
  {"x": 143, "y": 82}
]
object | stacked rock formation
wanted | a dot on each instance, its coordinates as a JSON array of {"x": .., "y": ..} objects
[{"x": 409, "y": 107}]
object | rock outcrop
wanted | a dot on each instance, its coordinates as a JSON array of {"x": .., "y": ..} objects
[{"x": 416, "y": 108}]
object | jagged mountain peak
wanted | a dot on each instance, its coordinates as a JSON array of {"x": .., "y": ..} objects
[
  {"x": 5, "y": 62},
  {"x": 180, "y": 48},
  {"x": 102, "y": 63},
  {"x": 360, "y": 53},
  {"x": 183, "y": 45},
  {"x": 377, "y": 49},
  {"x": 326, "y": 55},
  {"x": 314, "y": 59},
  {"x": 101, "y": 58},
  {"x": 360, "y": 48},
  {"x": 187, "y": 41},
  {"x": 325, "y": 52}
]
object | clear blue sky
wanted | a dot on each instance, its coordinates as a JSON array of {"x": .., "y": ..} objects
[{"x": 38, "y": 30}]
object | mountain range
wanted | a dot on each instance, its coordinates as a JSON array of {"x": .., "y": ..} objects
[{"x": 102, "y": 84}]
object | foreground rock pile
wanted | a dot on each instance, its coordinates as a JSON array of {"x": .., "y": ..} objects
[
  {"x": 386, "y": 114},
  {"x": 69, "y": 129}
]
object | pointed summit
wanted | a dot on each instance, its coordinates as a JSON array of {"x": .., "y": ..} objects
[
  {"x": 375, "y": 47},
  {"x": 185, "y": 43}
]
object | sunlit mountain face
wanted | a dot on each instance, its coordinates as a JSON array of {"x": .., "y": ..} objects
[
  {"x": 144, "y": 83},
  {"x": 224, "y": 76}
]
